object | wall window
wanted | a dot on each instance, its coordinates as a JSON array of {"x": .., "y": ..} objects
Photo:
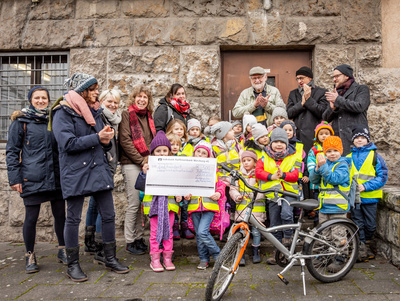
[{"x": 19, "y": 72}]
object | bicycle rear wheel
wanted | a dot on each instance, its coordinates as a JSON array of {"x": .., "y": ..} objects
[
  {"x": 223, "y": 271},
  {"x": 331, "y": 268}
]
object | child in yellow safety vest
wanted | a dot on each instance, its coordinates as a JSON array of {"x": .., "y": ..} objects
[
  {"x": 333, "y": 173},
  {"x": 194, "y": 136},
  {"x": 372, "y": 176},
  {"x": 178, "y": 127},
  {"x": 243, "y": 195},
  {"x": 259, "y": 140},
  {"x": 202, "y": 211},
  {"x": 248, "y": 121},
  {"x": 161, "y": 211}
]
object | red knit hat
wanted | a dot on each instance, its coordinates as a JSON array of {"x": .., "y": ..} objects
[
  {"x": 333, "y": 142},
  {"x": 323, "y": 125}
]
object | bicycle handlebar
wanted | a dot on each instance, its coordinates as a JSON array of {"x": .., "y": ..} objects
[{"x": 237, "y": 176}]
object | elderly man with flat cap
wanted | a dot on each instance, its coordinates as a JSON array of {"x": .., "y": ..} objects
[
  {"x": 260, "y": 99},
  {"x": 305, "y": 106},
  {"x": 348, "y": 105}
]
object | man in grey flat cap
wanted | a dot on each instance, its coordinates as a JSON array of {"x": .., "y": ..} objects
[{"x": 260, "y": 99}]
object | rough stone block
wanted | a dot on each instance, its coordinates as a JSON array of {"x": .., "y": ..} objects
[
  {"x": 208, "y": 8},
  {"x": 383, "y": 248},
  {"x": 200, "y": 70},
  {"x": 391, "y": 198},
  {"x": 90, "y": 61},
  {"x": 222, "y": 31},
  {"x": 265, "y": 29},
  {"x": 89, "y": 9},
  {"x": 145, "y": 8},
  {"x": 369, "y": 56},
  {"x": 313, "y": 31},
  {"x": 205, "y": 107},
  {"x": 143, "y": 59},
  {"x": 393, "y": 225},
  {"x": 53, "y": 10},
  {"x": 362, "y": 20},
  {"x": 381, "y": 222},
  {"x": 165, "y": 32},
  {"x": 57, "y": 34},
  {"x": 396, "y": 256},
  {"x": 327, "y": 57},
  {"x": 113, "y": 33},
  {"x": 4, "y": 207},
  {"x": 309, "y": 8},
  {"x": 120, "y": 205},
  {"x": 16, "y": 209}
]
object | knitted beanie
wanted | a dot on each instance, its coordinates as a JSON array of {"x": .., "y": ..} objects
[
  {"x": 193, "y": 123},
  {"x": 345, "y": 69},
  {"x": 220, "y": 129},
  {"x": 291, "y": 123},
  {"x": 79, "y": 82},
  {"x": 236, "y": 122},
  {"x": 279, "y": 111},
  {"x": 248, "y": 153},
  {"x": 279, "y": 134},
  {"x": 248, "y": 119},
  {"x": 360, "y": 130},
  {"x": 333, "y": 142},
  {"x": 30, "y": 93},
  {"x": 323, "y": 125},
  {"x": 159, "y": 140},
  {"x": 205, "y": 145},
  {"x": 306, "y": 71},
  {"x": 258, "y": 130}
]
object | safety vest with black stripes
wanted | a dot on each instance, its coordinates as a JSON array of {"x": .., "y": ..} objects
[
  {"x": 172, "y": 204},
  {"x": 259, "y": 205},
  {"x": 208, "y": 204},
  {"x": 286, "y": 166},
  {"x": 366, "y": 173},
  {"x": 230, "y": 158}
]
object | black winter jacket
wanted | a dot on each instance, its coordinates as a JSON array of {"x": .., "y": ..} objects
[{"x": 162, "y": 118}]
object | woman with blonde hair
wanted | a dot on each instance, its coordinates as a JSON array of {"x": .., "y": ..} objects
[{"x": 136, "y": 131}]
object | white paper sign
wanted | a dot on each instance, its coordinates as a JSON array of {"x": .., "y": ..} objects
[{"x": 180, "y": 176}]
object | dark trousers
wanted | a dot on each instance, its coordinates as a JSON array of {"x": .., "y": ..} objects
[
  {"x": 281, "y": 215},
  {"x": 31, "y": 217},
  {"x": 364, "y": 216},
  {"x": 105, "y": 205}
]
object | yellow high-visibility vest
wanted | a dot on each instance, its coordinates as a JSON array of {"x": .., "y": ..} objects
[
  {"x": 259, "y": 205},
  {"x": 172, "y": 204},
  {"x": 299, "y": 162},
  {"x": 231, "y": 158},
  {"x": 208, "y": 204}
]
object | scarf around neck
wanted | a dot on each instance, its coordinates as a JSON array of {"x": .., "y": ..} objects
[
  {"x": 136, "y": 131},
  {"x": 159, "y": 208},
  {"x": 81, "y": 107},
  {"x": 183, "y": 108},
  {"x": 346, "y": 85},
  {"x": 38, "y": 114},
  {"x": 301, "y": 89},
  {"x": 113, "y": 118},
  {"x": 277, "y": 156}
]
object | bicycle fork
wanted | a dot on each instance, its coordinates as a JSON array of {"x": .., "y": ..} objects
[{"x": 244, "y": 228}]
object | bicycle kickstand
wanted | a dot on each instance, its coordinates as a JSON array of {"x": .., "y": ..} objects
[{"x": 303, "y": 275}]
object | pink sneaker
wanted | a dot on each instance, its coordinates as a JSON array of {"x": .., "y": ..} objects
[
  {"x": 155, "y": 263},
  {"x": 168, "y": 265}
]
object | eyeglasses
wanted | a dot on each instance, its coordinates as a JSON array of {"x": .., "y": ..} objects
[
  {"x": 300, "y": 78},
  {"x": 336, "y": 76},
  {"x": 254, "y": 78}
]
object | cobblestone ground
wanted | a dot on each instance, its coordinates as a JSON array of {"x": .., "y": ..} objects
[{"x": 374, "y": 280}]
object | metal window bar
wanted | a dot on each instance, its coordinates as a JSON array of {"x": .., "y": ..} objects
[{"x": 19, "y": 72}]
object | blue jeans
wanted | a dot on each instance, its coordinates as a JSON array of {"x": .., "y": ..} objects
[
  {"x": 364, "y": 216},
  {"x": 281, "y": 215},
  {"x": 256, "y": 236},
  {"x": 206, "y": 245},
  {"x": 92, "y": 215}
]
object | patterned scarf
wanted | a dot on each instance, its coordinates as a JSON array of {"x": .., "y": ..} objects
[
  {"x": 346, "y": 85},
  {"x": 37, "y": 114},
  {"x": 113, "y": 118},
  {"x": 183, "y": 108},
  {"x": 136, "y": 130},
  {"x": 277, "y": 156},
  {"x": 159, "y": 208},
  {"x": 81, "y": 107}
]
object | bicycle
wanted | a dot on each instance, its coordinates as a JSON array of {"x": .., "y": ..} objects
[{"x": 320, "y": 249}]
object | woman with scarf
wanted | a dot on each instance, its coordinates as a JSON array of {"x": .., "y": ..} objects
[
  {"x": 136, "y": 131},
  {"x": 33, "y": 171},
  {"x": 173, "y": 105},
  {"x": 109, "y": 100},
  {"x": 82, "y": 141}
]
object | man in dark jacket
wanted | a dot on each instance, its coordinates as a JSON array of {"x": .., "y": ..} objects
[
  {"x": 348, "y": 105},
  {"x": 305, "y": 106}
]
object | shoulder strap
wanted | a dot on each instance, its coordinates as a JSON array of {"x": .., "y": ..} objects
[
  {"x": 170, "y": 114},
  {"x": 375, "y": 159}
]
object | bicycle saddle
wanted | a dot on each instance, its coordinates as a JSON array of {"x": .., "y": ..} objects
[{"x": 309, "y": 204}]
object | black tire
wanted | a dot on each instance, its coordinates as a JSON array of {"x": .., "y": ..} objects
[
  {"x": 332, "y": 268},
  {"x": 222, "y": 274}
]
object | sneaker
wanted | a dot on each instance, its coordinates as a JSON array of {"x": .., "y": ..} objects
[
  {"x": 242, "y": 261},
  {"x": 133, "y": 248},
  {"x": 336, "y": 265},
  {"x": 370, "y": 254},
  {"x": 271, "y": 260},
  {"x": 362, "y": 253},
  {"x": 202, "y": 265}
]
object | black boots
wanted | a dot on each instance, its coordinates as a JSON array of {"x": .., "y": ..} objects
[
  {"x": 74, "y": 269},
  {"x": 111, "y": 261},
  {"x": 99, "y": 254},
  {"x": 256, "y": 254},
  {"x": 31, "y": 263},
  {"x": 90, "y": 247},
  {"x": 62, "y": 255}
]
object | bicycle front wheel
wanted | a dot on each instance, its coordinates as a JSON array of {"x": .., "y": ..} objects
[
  {"x": 336, "y": 255},
  {"x": 223, "y": 271}
]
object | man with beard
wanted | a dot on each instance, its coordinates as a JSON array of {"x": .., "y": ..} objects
[
  {"x": 260, "y": 99},
  {"x": 348, "y": 105}
]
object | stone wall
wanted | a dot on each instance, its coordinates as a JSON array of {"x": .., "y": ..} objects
[{"x": 125, "y": 43}]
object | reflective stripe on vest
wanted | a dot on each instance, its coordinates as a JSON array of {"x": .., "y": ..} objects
[
  {"x": 232, "y": 161},
  {"x": 208, "y": 204},
  {"x": 328, "y": 195},
  {"x": 187, "y": 150},
  {"x": 366, "y": 173},
  {"x": 286, "y": 166},
  {"x": 172, "y": 204},
  {"x": 258, "y": 152}
]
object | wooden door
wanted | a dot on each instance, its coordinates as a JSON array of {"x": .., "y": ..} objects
[{"x": 280, "y": 64}]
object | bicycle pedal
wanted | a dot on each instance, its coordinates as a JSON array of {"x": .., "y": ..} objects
[{"x": 283, "y": 279}]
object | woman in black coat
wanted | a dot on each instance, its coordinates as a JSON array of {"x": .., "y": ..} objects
[
  {"x": 82, "y": 142},
  {"x": 173, "y": 105},
  {"x": 33, "y": 171}
]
